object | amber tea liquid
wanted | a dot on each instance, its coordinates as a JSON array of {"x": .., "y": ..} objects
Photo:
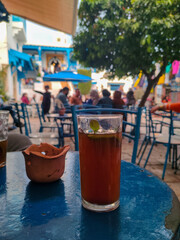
[
  {"x": 3, "y": 150},
  {"x": 100, "y": 163}
]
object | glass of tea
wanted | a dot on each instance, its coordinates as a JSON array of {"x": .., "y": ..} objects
[
  {"x": 4, "y": 116},
  {"x": 100, "y": 138}
]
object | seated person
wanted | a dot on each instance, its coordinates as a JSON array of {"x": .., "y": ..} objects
[
  {"x": 94, "y": 98},
  {"x": 11, "y": 111},
  {"x": 76, "y": 98},
  {"x": 62, "y": 96},
  {"x": 26, "y": 100},
  {"x": 130, "y": 98},
  {"x": 59, "y": 107},
  {"x": 105, "y": 101},
  {"x": 119, "y": 103},
  {"x": 17, "y": 142},
  {"x": 117, "y": 100}
]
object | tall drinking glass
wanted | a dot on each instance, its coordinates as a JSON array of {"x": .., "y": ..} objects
[
  {"x": 100, "y": 138},
  {"x": 4, "y": 115}
]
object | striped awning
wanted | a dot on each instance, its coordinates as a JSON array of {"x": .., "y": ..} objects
[
  {"x": 56, "y": 14},
  {"x": 20, "y": 59}
]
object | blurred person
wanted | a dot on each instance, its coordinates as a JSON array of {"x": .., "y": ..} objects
[
  {"x": 150, "y": 101},
  {"x": 117, "y": 100},
  {"x": 57, "y": 68},
  {"x": 94, "y": 97},
  {"x": 26, "y": 100},
  {"x": 62, "y": 96},
  {"x": 130, "y": 98},
  {"x": 166, "y": 99},
  {"x": 18, "y": 142},
  {"x": 76, "y": 98},
  {"x": 59, "y": 107},
  {"x": 105, "y": 100},
  {"x": 46, "y": 101},
  {"x": 119, "y": 103},
  {"x": 121, "y": 89}
]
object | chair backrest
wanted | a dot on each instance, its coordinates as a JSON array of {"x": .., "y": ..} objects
[
  {"x": 19, "y": 115},
  {"x": 23, "y": 114},
  {"x": 40, "y": 114},
  {"x": 167, "y": 115},
  {"x": 135, "y": 125}
]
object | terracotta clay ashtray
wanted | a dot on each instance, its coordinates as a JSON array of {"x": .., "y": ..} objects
[{"x": 45, "y": 163}]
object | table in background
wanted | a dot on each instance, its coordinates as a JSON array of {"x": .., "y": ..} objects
[
  {"x": 55, "y": 116},
  {"x": 148, "y": 207},
  {"x": 64, "y": 124}
]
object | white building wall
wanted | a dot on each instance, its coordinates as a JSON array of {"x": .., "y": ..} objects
[
  {"x": 40, "y": 35},
  {"x": 43, "y": 56},
  {"x": 3, "y": 44},
  {"x": 9, "y": 41}
]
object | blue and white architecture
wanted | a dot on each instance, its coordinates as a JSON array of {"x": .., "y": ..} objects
[{"x": 17, "y": 63}]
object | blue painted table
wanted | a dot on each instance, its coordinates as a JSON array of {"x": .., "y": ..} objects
[{"x": 148, "y": 207}]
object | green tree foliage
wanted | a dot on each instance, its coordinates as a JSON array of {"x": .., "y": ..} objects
[
  {"x": 125, "y": 37},
  {"x": 84, "y": 72},
  {"x": 85, "y": 87}
]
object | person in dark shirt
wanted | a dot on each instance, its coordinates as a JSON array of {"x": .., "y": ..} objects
[
  {"x": 119, "y": 103},
  {"x": 63, "y": 96},
  {"x": 46, "y": 102},
  {"x": 130, "y": 98},
  {"x": 105, "y": 101}
]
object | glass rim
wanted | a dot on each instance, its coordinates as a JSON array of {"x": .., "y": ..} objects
[
  {"x": 107, "y": 116},
  {"x": 4, "y": 112}
]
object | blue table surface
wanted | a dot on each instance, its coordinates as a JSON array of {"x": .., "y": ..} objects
[{"x": 148, "y": 207}]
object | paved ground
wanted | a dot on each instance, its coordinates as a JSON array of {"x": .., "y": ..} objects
[{"x": 155, "y": 164}]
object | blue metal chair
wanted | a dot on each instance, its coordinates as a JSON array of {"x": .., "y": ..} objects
[
  {"x": 136, "y": 125},
  {"x": 43, "y": 123},
  {"x": 168, "y": 141},
  {"x": 157, "y": 128},
  {"x": 65, "y": 130},
  {"x": 22, "y": 114},
  {"x": 38, "y": 137}
]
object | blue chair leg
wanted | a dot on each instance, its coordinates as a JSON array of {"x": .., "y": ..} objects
[
  {"x": 143, "y": 152},
  {"x": 149, "y": 153},
  {"x": 73, "y": 109},
  {"x": 41, "y": 129},
  {"x": 142, "y": 144},
  {"x": 173, "y": 158},
  {"x": 165, "y": 163},
  {"x": 170, "y": 154},
  {"x": 176, "y": 158}
]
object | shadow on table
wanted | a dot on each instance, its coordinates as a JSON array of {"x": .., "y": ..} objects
[
  {"x": 2, "y": 180},
  {"x": 43, "y": 202},
  {"x": 99, "y": 225}
]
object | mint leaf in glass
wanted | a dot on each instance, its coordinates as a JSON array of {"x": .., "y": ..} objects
[{"x": 94, "y": 125}]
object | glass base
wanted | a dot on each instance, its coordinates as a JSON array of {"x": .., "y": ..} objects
[{"x": 100, "y": 208}]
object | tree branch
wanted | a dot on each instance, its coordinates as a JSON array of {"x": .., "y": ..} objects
[{"x": 161, "y": 71}]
